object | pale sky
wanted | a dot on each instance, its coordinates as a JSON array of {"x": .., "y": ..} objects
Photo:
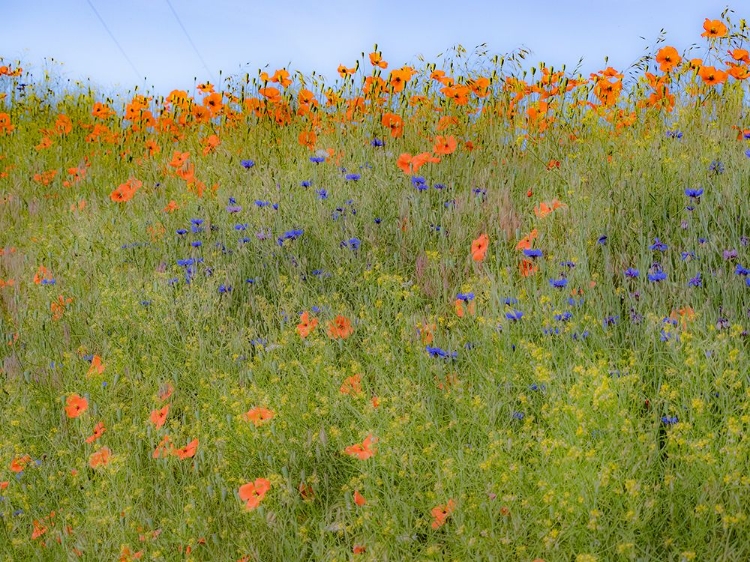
[{"x": 242, "y": 36}]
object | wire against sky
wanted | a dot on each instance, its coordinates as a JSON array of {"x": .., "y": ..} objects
[
  {"x": 124, "y": 54},
  {"x": 197, "y": 52}
]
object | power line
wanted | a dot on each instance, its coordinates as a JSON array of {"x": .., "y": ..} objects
[
  {"x": 197, "y": 52},
  {"x": 124, "y": 54}
]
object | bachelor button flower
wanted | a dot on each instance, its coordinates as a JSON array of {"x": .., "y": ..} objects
[
  {"x": 441, "y": 353},
  {"x": 559, "y": 283},
  {"x": 695, "y": 281},
  {"x": 716, "y": 167},
  {"x": 657, "y": 276},
  {"x": 317, "y": 159},
  {"x": 233, "y": 208},
  {"x": 352, "y": 177},
  {"x": 674, "y": 134},
  {"x": 353, "y": 243},
  {"x": 419, "y": 183},
  {"x": 290, "y": 235},
  {"x": 730, "y": 254},
  {"x": 694, "y": 193},
  {"x": 240, "y": 226},
  {"x": 439, "y": 186},
  {"x": 658, "y": 245},
  {"x": 225, "y": 289},
  {"x": 743, "y": 271},
  {"x": 181, "y": 231},
  {"x": 247, "y": 164},
  {"x": 305, "y": 183},
  {"x": 602, "y": 240},
  {"x": 610, "y": 320},
  {"x": 514, "y": 315},
  {"x": 564, "y": 317},
  {"x": 532, "y": 253},
  {"x": 322, "y": 194},
  {"x": 687, "y": 256},
  {"x": 378, "y": 220},
  {"x": 669, "y": 420},
  {"x": 466, "y": 297},
  {"x": 377, "y": 142},
  {"x": 747, "y": 153},
  {"x": 196, "y": 243}
]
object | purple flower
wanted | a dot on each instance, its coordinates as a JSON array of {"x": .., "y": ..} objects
[
  {"x": 290, "y": 235},
  {"x": 317, "y": 159},
  {"x": 247, "y": 164},
  {"x": 352, "y": 177},
  {"x": 730, "y": 254},
  {"x": 695, "y": 281},
  {"x": 559, "y": 283},
  {"x": 694, "y": 193},
  {"x": 514, "y": 315},
  {"x": 466, "y": 297},
  {"x": 322, "y": 194},
  {"x": 377, "y": 143},
  {"x": 441, "y": 353},
  {"x": 532, "y": 253},
  {"x": 658, "y": 245},
  {"x": 305, "y": 183},
  {"x": 632, "y": 273},
  {"x": 657, "y": 276}
]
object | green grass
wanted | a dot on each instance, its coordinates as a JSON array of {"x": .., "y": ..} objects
[{"x": 618, "y": 433}]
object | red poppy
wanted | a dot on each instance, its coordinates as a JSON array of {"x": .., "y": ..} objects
[
  {"x": 712, "y": 76},
  {"x": 253, "y": 493},
  {"x": 441, "y": 513},
  {"x": 526, "y": 242},
  {"x": 394, "y": 123},
  {"x": 75, "y": 405},
  {"x": 668, "y": 58},
  {"x": 159, "y": 417},
  {"x": 97, "y": 367},
  {"x": 18, "y": 464},
  {"x": 362, "y": 451},
  {"x": 359, "y": 499},
  {"x": 714, "y": 29},
  {"x": 445, "y": 145},
  {"x": 306, "y": 325},
  {"x": 351, "y": 385},
  {"x": 340, "y": 327},
  {"x": 258, "y": 415},
  {"x": 100, "y": 457},
  {"x": 479, "y": 248},
  {"x": 188, "y": 450},
  {"x": 99, "y": 430}
]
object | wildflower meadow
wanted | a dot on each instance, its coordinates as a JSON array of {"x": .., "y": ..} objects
[{"x": 473, "y": 310}]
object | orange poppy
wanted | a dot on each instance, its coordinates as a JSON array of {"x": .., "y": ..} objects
[
  {"x": 258, "y": 415},
  {"x": 712, "y": 76},
  {"x": 668, "y": 58},
  {"x": 394, "y": 123},
  {"x": 441, "y": 513},
  {"x": 159, "y": 417},
  {"x": 100, "y": 457},
  {"x": 308, "y": 138},
  {"x": 188, "y": 450},
  {"x": 5, "y": 125},
  {"x": 171, "y": 207},
  {"x": 527, "y": 268},
  {"x": 210, "y": 143},
  {"x": 544, "y": 209},
  {"x": 445, "y": 145},
  {"x": 351, "y": 385},
  {"x": 99, "y": 430},
  {"x": 63, "y": 125},
  {"x": 253, "y": 493},
  {"x": 362, "y": 451},
  {"x": 58, "y": 307},
  {"x": 164, "y": 448},
  {"x": 359, "y": 549},
  {"x": 18, "y": 464},
  {"x": 526, "y": 242},
  {"x": 306, "y": 325},
  {"x": 340, "y": 327},
  {"x": 464, "y": 308},
  {"x": 738, "y": 72},
  {"x": 399, "y": 78},
  {"x": 344, "y": 71},
  {"x": 42, "y": 274},
  {"x": 75, "y": 405},
  {"x": 479, "y": 248},
  {"x": 45, "y": 143},
  {"x": 165, "y": 391},
  {"x": 377, "y": 60},
  {"x": 740, "y": 55},
  {"x": 714, "y": 29},
  {"x": 359, "y": 499},
  {"x": 97, "y": 367}
]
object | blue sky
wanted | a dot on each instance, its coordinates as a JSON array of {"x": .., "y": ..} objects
[{"x": 242, "y": 36}]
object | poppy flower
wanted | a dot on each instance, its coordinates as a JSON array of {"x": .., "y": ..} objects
[
  {"x": 441, "y": 513},
  {"x": 351, "y": 385},
  {"x": 18, "y": 464},
  {"x": 668, "y": 58},
  {"x": 479, "y": 248},
  {"x": 100, "y": 457},
  {"x": 97, "y": 367},
  {"x": 362, "y": 451},
  {"x": 164, "y": 448},
  {"x": 165, "y": 391},
  {"x": 377, "y": 60},
  {"x": 714, "y": 29},
  {"x": 75, "y": 405},
  {"x": 544, "y": 209},
  {"x": 159, "y": 417},
  {"x": 445, "y": 145},
  {"x": 395, "y": 123},
  {"x": 258, "y": 415},
  {"x": 188, "y": 450},
  {"x": 306, "y": 325},
  {"x": 253, "y": 493},
  {"x": 359, "y": 549},
  {"x": 359, "y": 499},
  {"x": 712, "y": 76},
  {"x": 99, "y": 430},
  {"x": 527, "y": 268},
  {"x": 340, "y": 327},
  {"x": 525, "y": 243}
]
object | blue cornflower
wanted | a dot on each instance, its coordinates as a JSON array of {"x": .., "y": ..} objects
[
  {"x": 247, "y": 164},
  {"x": 514, "y": 315},
  {"x": 564, "y": 317},
  {"x": 747, "y": 153},
  {"x": 687, "y": 256},
  {"x": 610, "y": 320},
  {"x": 507, "y": 301},
  {"x": 353, "y": 243},
  {"x": 49, "y": 281},
  {"x": 290, "y": 235},
  {"x": 439, "y": 186},
  {"x": 188, "y": 262},
  {"x": 658, "y": 245},
  {"x": 441, "y": 353},
  {"x": 233, "y": 208},
  {"x": 305, "y": 183},
  {"x": 378, "y": 220},
  {"x": 352, "y": 177},
  {"x": 225, "y": 289},
  {"x": 261, "y": 204},
  {"x": 518, "y": 415},
  {"x": 479, "y": 191},
  {"x": 669, "y": 420},
  {"x": 695, "y": 281},
  {"x": 181, "y": 231},
  {"x": 466, "y": 297},
  {"x": 602, "y": 240},
  {"x": 322, "y": 194},
  {"x": 674, "y": 134},
  {"x": 377, "y": 142},
  {"x": 694, "y": 193},
  {"x": 657, "y": 276},
  {"x": 739, "y": 270},
  {"x": 317, "y": 159},
  {"x": 568, "y": 264},
  {"x": 196, "y": 243},
  {"x": 559, "y": 283},
  {"x": 240, "y": 226},
  {"x": 716, "y": 167},
  {"x": 196, "y": 222},
  {"x": 532, "y": 253},
  {"x": 419, "y": 183}
]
